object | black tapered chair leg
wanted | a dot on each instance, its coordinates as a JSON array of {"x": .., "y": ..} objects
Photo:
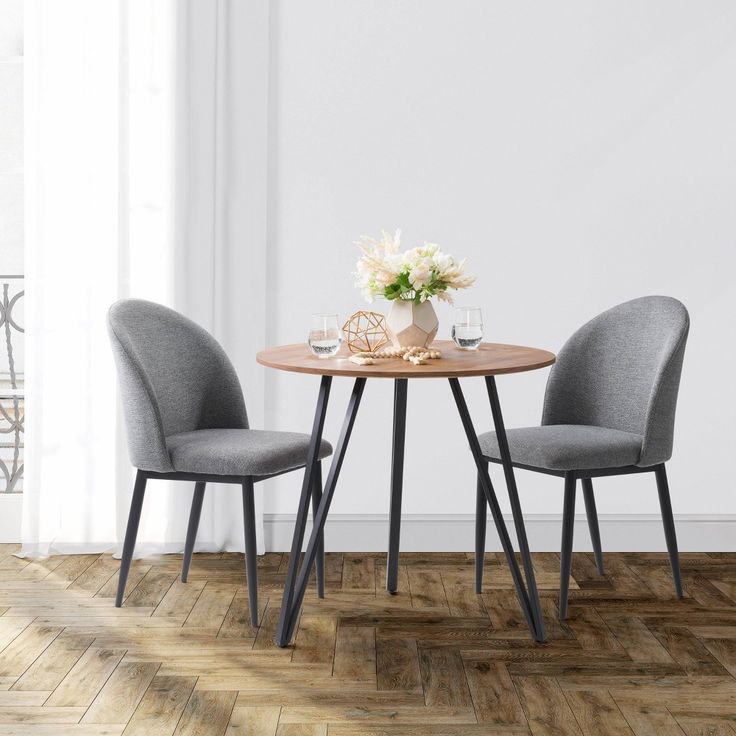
[
  {"x": 397, "y": 484},
  {"x": 319, "y": 560},
  {"x": 194, "y": 514},
  {"x": 481, "y": 515},
  {"x": 568, "y": 524},
  {"x": 251, "y": 560},
  {"x": 592, "y": 515},
  {"x": 663, "y": 489},
  {"x": 134, "y": 517}
]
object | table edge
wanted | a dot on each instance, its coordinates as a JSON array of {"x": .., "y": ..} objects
[{"x": 357, "y": 373}]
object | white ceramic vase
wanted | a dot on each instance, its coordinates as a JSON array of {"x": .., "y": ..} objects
[{"x": 412, "y": 324}]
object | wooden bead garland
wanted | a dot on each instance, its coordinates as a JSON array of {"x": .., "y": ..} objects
[{"x": 415, "y": 354}]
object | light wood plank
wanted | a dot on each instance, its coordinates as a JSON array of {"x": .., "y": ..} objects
[
  {"x": 151, "y": 589},
  {"x": 206, "y": 713},
  {"x": 212, "y": 606},
  {"x": 39, "y": 714},
  {"x": 267, "y": 629},
  {"x": 460, "y": 593},
  {"x": 545, "y": 707},
  {"x": 18, "y": 697},
  {"x": 443, "y": 678},
  {"x": 11, "y": 626},
  {"x": 161, "y": 707},
  {"x": 591, "y": 630},
  {"x": 302, "y": 729},
  {"x": 315, "y": 639},
  {"x": 493, "y": 694},
  {"x": 650, "y": 719},
  {"x": 180, "y": 599},
  {"x": 705, "y": 725},
  {"x": 71, "y": 568},
  {"x": 57, "y": 729},
  {"x": 51, "y": 667},
  {"x": 358, "y": 573},
  {"x": 96, "y": 575},
  {"x": 23, "y": 651},
  {"x": 122, "y": 693},
  {"x": 397, "y": 665},
  {"x": 138, "y": 570},
  {"x": 427, "y": 590},
  {"x": 253, "y": 720},
  {"x": 375, "y": 716},
  {"x": 597, "y": 713},
  {"x": 638, "y": 641},
  {"x": 84, "y": 680},
  {"x": 504, "y": 611},
  {"x": 688, "y": 651},
  {"x": 355, "y": 653},
  {"x": 236, "y": 624}
]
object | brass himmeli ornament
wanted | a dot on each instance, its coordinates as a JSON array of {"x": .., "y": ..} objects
[{"x": 365, "y": 332}]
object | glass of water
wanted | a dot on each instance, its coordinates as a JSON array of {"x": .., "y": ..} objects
[
  {"x": 325, "y": 335},
  {"x": 467, "y": 329}
]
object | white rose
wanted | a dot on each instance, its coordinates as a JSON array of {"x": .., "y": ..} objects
[
  {"x": 411, "y": 258},
  {"x": 443, "y": 262},
  {"x": 420, "y": 275}
]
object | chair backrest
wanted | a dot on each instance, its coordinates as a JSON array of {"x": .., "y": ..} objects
[
  {"x": 622, "y": 371},
  {"x": 174, "y": 377}
]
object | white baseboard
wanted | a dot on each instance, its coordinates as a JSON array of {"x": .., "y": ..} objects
[
  {"x": 456, "y": 533},
  {"x": 11, "y": 505}
]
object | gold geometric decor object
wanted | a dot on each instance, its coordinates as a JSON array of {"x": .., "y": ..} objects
[{"x": 365, "y": 332}]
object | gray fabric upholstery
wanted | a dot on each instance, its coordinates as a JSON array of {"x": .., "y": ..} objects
[
  {"x": 612, "y": 393},
  {"x": 174, "y": 377},
  {"x": 253, "y": 452},
  {"x": 183, "y": 405},
  {"x": 622, "y": 371},
  {"x": 567, "y": 447}
]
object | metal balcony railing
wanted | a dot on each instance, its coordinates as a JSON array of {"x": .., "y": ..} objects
[{"x": 12, "y": 412}]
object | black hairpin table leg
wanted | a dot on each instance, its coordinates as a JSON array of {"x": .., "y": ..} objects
[
  {"x": 508, "y": 471},
  {"x": 296, "y": 584},
  {"x": 303, "y": 509},
  {"x": 397, "y": 480},
  {"x": 527, "y": 594}
]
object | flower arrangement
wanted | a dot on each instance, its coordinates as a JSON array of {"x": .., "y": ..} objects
[{"x": 415, "y": 275}]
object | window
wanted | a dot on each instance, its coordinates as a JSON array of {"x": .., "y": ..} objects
[{"x": 11, "y": 245}]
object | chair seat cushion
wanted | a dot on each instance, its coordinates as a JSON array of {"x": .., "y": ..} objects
[
  {"x": 253, "y": 452},
  {"x": 567, "y": 447}
]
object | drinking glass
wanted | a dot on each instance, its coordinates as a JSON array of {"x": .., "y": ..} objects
[
  {"x": 325, "y": 335},
  {"x": 467, "y": 329}
]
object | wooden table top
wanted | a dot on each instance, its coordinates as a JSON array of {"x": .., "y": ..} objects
[{"x": 490, "y": 359}]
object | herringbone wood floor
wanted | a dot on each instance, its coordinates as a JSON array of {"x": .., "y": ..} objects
[{"x": 434, "y": 659}]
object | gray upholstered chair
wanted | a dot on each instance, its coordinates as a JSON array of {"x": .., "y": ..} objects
[
  {"x": 186, "y": 420},
  {"x": 609, "y": 409}
]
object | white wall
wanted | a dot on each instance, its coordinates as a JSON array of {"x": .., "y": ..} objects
[{"x": 579, "y": 154}]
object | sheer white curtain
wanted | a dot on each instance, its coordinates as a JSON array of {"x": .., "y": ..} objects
[{"x": 145, "y": 176}]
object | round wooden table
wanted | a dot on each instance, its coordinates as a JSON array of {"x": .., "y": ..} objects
[{"x": 488, "y": 361}]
